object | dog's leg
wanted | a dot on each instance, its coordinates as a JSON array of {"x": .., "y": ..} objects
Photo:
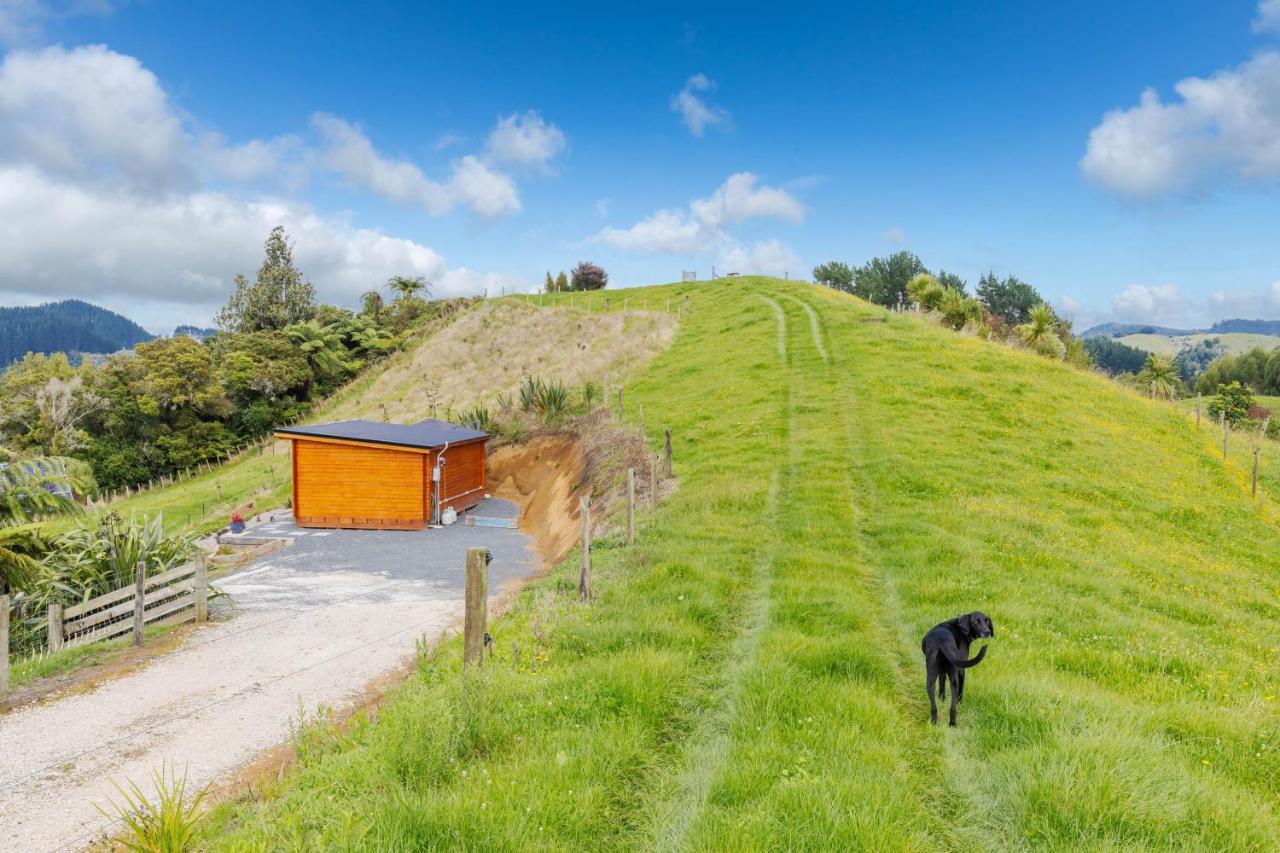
[
  {"x": 942, "y": 686},
  {"x": 955, "y": 689},
  {"x": 960, "y": 691},
  {"x": 929, "y": 677}
]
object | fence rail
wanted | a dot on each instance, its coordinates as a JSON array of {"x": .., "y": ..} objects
[{"x": 169, "y": 598}]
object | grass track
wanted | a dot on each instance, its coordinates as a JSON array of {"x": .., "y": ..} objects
[{"x": 750, "y": 677}]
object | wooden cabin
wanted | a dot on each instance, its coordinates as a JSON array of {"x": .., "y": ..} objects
[{"x": 380, "y": 476}]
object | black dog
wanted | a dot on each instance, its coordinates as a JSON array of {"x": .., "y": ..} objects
[{"x": 946, "y": 655}]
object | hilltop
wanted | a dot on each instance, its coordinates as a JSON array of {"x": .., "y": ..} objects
[
  {"x": 70, "y": 326},
  {"x": 749, "y": 674}
]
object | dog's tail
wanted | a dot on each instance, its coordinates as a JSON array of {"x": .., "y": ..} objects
[{"x": 964, "y": 664}]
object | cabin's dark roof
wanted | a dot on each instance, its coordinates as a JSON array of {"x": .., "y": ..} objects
[{"x": 424, "y": 434}]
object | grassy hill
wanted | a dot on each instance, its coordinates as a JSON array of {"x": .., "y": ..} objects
[
  {"x": 1233, "y": 343},
  {"x": 749, "y": 676}
]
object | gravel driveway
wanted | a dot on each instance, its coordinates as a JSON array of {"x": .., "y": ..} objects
[{"x": 312, "y": 625}]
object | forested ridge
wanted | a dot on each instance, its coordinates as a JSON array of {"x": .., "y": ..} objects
[{"x": 70, "y": 326}]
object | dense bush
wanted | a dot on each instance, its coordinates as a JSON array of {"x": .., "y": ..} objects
[
  {"x": 1258, "y": 369},
  {"x": 1114, "y": 357}
]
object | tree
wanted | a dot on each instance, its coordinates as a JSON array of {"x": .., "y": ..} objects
[
  {"x": 1160, "y": 378},
  {"x": 562, "y": 283},
  {"x": 1040, "y": 332},
  {"x": 371, "y": 303},
  {"x": 321, "y": 347},
  {"x": 408, "y": 288},
  {"x": 550, "y": 286},
  {"x": 178, "y": 373},
  {"x": 953, "y": 281},
  {"x": 1010, "y": 297},
  {"x": 588, "y": 276},
  {"x": 884, "y": 280},
  {"x": 834, "y": 274},
  {"x": 1234, "y": 401},
  {"x": 278, "y": 297}
]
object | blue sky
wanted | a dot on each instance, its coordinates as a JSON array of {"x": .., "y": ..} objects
[{"x": 146, "y": 147}]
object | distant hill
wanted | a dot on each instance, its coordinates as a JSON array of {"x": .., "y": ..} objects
[
  {"x": 197, "y": 332},
  {"x": 1222, "y": 327},
  {"x": 1119, "y": 330},
  {"x": 71, "y": 326},
  {"x": 1249, "y": 327}
]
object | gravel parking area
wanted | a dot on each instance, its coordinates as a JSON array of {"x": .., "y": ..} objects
[{"x": 309, "y": 625}]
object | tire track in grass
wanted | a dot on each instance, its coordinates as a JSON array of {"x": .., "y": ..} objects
[
  {"x": 782, "y": 327},
  {"x": 814, "y": 326},
  {"x": 676, "y": 817},
  {"x": 891, "y": 631}
]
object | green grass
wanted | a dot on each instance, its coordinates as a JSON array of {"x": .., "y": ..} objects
[
  {"x": 1233, "y": 343},
  {"x": 749, "y": 676},
  {"x": 25, "y": 669}
]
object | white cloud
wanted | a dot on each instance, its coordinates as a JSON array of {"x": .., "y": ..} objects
[
  {"x": 1161, "y": 304},
  {"x": 696, "y": 113},
  {"x": 106, "y": 193},
  {"x": 525, "y": 141},
  {"x": 767, "y": 257},
  {"x": 667, "y": 232},
  {"x": 1268, "y": 17},
  {"x": 602, "y": 208},
  {"x": 1228, "y": 123},
  {"x": 1258, "y": 304},
  {"x": 704, "y": 225},
  {"x": 472, "y": 183},
  {"x": 738, "y": 198},
  {"x": 23, "y": 21},
  {"x": 895, "y": 236},
  {"x": 91, "y": 112},
  {"x": 62, "y": 240}
]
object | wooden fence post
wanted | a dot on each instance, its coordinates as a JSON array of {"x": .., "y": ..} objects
[
  {"x": 631, "y": 506},
  {"x": 139, "y": 601},
  {"x": 4, "y": 644},
  {"x": 584, "y": 575},
  {"x": 476, "y": 607},
  {"x": 653, "y": 482},
  {"x": 200, "y": 586},
  {"x": 619, "y": 403},
  {"x": 667, "y": 469},
  {"x": 55, "y": 627}
]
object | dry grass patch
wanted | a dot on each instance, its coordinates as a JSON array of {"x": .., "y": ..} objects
[{"x": 491, "y": 349}]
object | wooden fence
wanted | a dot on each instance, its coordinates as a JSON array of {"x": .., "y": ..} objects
[{"x": 169, "y": 598}]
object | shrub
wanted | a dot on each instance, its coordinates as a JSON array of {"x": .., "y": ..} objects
[
  {"x": 480, "y": 418},
  {"x": 529, "y": 390},
  {"x": 552, "y": 402},
  {"x": 591, "y": 394},
  {"x": 588, "y": 276},
  {"x": 1234, "y": 401}
]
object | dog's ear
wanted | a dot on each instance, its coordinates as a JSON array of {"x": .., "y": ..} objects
[{"x": 966, "y": 624}]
